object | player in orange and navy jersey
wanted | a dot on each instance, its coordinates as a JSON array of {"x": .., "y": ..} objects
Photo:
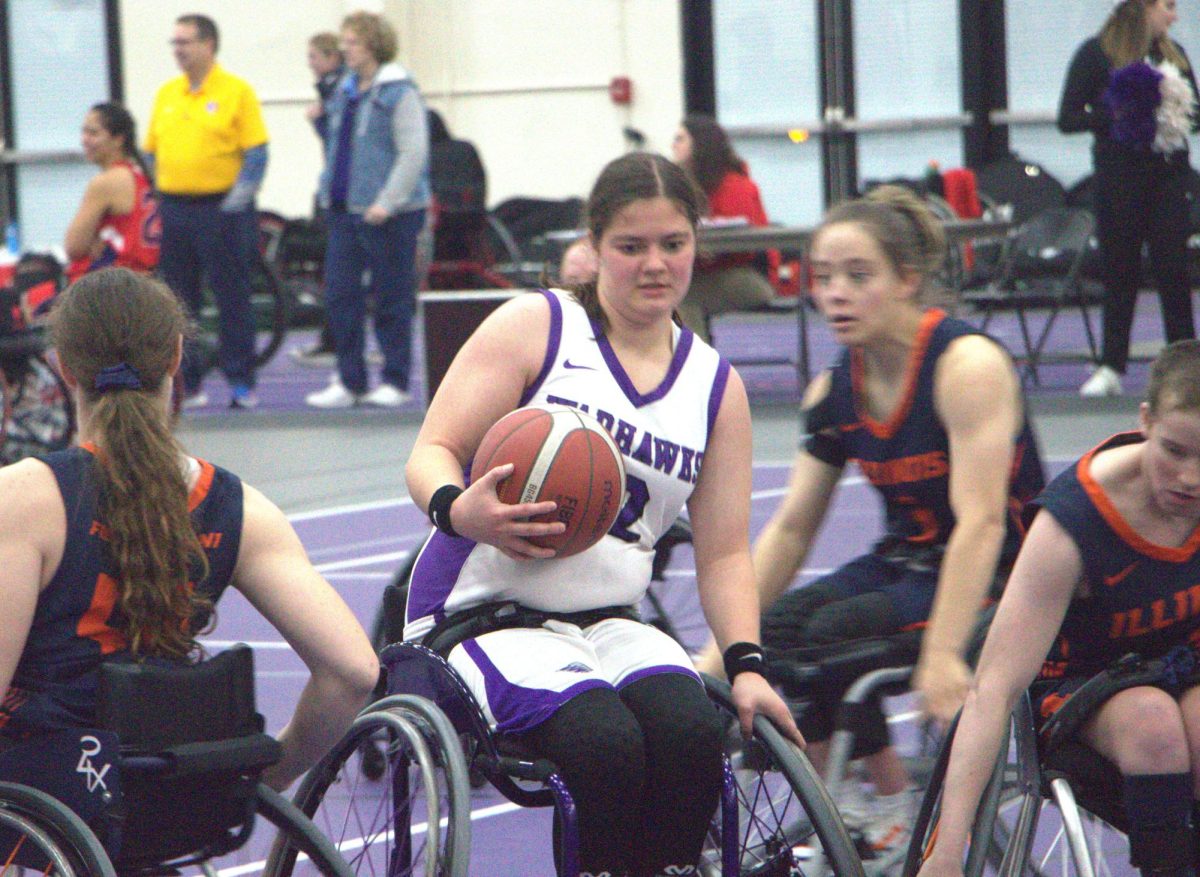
[
  {"x": 1111, "y": 566},
  {"x": 119, "y": 549},
  {"x": 931, "y": 411}
]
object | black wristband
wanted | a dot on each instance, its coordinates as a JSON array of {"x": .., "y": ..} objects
[
  {"x": 439, "y": 507},
  {"x": 743, "y": 657}
]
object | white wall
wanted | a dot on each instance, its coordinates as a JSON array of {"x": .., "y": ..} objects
[{"x": 525, "y": 80}]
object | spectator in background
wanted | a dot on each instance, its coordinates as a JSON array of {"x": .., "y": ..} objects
[
  {"x": 733, "y": 281},
  {"x": 117, "y": 222},
  {"x": 376, "y": 190},
  {"x": 328, "y": 65},
  {"x": 209, "y": 146},
  {"x": 1133, "y": 88}
]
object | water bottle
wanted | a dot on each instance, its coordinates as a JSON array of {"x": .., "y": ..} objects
[{"x": 12, "y": 238}]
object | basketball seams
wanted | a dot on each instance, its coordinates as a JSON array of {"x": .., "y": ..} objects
[
  {"x": 548, "y": 452},
  {"x": 517, "y": 426}
]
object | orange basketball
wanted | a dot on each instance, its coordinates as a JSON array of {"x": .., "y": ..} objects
[{"x": 559, "y": 454}]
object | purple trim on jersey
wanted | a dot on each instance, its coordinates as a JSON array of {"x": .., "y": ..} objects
[
  {"x": 515, "y": 707},
  {"x": 717, "y": 394},
  {"x": 622, "y": 379},
  {"x": 553, "y": 342},
  {"x": 658, "y": 670},
  {"x": 435, "y": 574}
]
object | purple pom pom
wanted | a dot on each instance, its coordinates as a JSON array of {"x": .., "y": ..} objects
[{"x": 1133, "y": 96}]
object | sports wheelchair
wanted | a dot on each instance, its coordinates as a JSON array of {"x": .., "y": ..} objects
[
  {"x": 170, "y": 779},
  {"x": 36, "y": 413},
  {"x": 774, "y": 809},
  {"x": 1035, "y": 769},
  {"x": 864, "y": 670}
]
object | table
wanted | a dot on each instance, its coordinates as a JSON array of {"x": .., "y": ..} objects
[{"x": 449, "y": 317}]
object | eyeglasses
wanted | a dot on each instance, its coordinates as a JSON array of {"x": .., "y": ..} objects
[{"x": 180, "y": 41}]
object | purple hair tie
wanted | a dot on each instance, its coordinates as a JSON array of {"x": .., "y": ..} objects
[{"x": 121, "y": 376}]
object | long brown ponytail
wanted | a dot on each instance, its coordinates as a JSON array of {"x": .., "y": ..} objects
[{"x": 120, "y": 330}]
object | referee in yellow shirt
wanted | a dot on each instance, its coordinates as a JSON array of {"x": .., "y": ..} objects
[{"x": 209, "y": 146}]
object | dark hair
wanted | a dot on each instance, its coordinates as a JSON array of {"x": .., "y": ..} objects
[
  {"x": 118, "y": 122},
  {"x": 713, "y": 155},
  {"x": 375, "y": 32},
  {"x": 115, "y": 317},
  {"x": 1125, "y": 38},
  {"x": 1175, "y": 378},
  {"x": 438, "y": 132},
  {"x": 206, "y": 28},
  {"x": 634, "y": 177},
  {"x": 910, "y": 235}
]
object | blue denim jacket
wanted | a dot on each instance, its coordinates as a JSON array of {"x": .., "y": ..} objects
[{"x": 389, "y": 159}]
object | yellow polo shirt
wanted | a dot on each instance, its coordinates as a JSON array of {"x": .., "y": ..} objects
[{"x": 198, "y": 137}]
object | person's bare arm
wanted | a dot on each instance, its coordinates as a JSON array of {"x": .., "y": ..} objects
[
  {"x": 484, "y": 382},
  {"x": 719, "y": 509},
  {"x": 112, "y": 191},
  {"x": 275, "y": 575},
  {"x": 978, "y": 399},
  {"x": 787, "y": 537},
  {"x": 1030, "y": 614},
  {"x": 32, "y": 532}
]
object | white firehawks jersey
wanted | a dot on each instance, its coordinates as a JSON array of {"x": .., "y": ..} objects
[{"x": 661, "y": 434}]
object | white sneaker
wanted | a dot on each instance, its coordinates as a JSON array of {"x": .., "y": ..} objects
[
  {"x": 334, "y": 396},
  {"x": 197, "y": 399},
  {"x": 386, "y": 396},
  {"x": 883, "y": 840},
  {"x": 1104, "y": 382}
]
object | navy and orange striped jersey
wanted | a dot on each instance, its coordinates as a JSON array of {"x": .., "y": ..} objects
[
  {"x": 907, "y": 457},
  {"x": 1141, "y": 597},
  {"x": 77, "y": 622}
]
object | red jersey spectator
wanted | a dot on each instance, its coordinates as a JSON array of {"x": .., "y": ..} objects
[{"x": 117, "y": 222}]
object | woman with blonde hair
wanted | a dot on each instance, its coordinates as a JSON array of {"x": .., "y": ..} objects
[{"x": 1133, "y": 87}]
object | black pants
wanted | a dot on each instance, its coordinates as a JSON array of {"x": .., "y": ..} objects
[
  {"x": 644, "y": 768},
  {"x": 1142, "y": 200}
]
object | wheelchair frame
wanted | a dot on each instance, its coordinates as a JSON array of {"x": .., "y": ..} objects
[
  {"x": 767, "y": 783},
  {"x": 1022, "y": 781}
]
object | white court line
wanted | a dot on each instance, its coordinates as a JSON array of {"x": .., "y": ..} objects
[
  {"x": 358, "y": 842},
  {"x": 350, "y": 509}
]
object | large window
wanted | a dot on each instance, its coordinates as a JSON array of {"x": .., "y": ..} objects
[
  {"x": 58, "y": 61},
  {"x": 767, "y": 82},
  {"x": 907, "y": 72}
]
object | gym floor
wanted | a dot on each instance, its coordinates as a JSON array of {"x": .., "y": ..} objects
[{"x": 339, "y": 477}]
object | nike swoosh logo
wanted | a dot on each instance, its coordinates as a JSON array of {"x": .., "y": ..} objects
[
  {"x": 568, "y": 364},
  {"x": 1114, "y": 579}
]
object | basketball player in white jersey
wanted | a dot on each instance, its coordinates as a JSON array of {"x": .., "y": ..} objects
[{"x": 614, "y": 703}]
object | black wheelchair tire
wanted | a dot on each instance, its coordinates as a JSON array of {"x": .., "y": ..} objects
[
  {"x": 839, "y": 852},
  {"x": 443, "y": 751},
  {"x": 51, "y": 825}
]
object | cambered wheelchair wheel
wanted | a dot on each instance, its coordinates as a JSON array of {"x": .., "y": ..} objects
[
  {"x": 414, "y": 819},
  {"x": 1008, "y": 812},
  {"x": 38, "y": 416},
  {"x": 784, "y": 812},
  {"x": 42, "y": 835}
]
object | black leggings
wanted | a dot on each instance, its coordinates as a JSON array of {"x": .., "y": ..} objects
[
  {"x": 1138, "y": 200},
  {"x": 820, "y": 616},
  {"x": 644, "y": 767}
]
